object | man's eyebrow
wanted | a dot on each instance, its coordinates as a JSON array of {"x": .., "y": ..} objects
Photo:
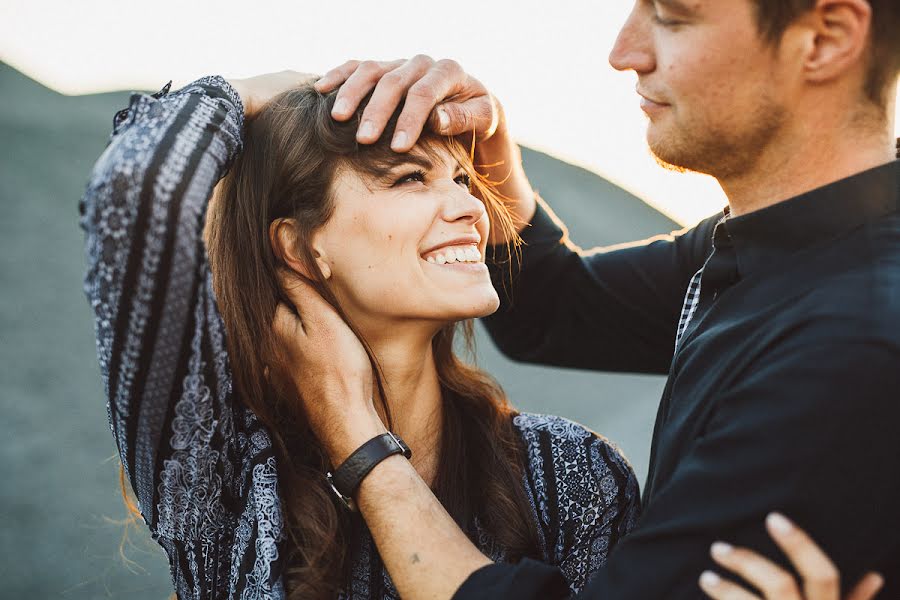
[{"x": 676, "y": 6}]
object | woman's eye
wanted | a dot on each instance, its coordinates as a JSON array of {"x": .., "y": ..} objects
[
  {"x": 415, "y": 176},
  {"x": 464, "y": 180}
]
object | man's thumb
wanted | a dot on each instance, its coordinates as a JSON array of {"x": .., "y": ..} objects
[{"x": 457, "y": 118}]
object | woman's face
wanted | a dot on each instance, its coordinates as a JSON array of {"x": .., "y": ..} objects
[{"x": 408, "y": 246}]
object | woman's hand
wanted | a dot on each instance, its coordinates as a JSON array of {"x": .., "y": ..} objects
[
  {"x": 255, "y": 92},
  {"x": 439, "y": 94},
  {"x": 820, "y": 578},
  {"x": 329, "y": 367}
]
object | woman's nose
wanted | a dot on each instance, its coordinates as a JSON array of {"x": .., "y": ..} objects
[{"x": 461, "y": 206}]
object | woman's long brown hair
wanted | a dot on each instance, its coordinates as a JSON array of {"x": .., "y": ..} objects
[{"x": 292, "y": 150}]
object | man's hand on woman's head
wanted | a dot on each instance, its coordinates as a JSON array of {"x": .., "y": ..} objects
[
  {"x": 820, "y": 579},
  {"x": 439, "y": 94},
  {"x": 328, "y": 366}
]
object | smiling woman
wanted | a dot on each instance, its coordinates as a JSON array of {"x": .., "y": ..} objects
[
  {"x": 361, "y": 223},
  {"x": 214, "y": 441}
]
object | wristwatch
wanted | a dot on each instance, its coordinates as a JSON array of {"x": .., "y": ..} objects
[{"x": 347, "y": 477}]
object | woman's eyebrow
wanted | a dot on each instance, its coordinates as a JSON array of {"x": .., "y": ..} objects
[{"x": 419, "y": 161}]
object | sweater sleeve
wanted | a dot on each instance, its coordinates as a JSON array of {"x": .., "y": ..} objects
[
  {"x": 585, "y": 494},
  {"x": 146, "y": 280},
  {"x": 609, "y": 309},
  {"x": 201, "y": 466}
]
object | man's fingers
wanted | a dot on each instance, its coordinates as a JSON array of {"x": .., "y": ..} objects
[
  {"x": 821, "y": 578},
  {"x": 759, "y": 571},
  {"x": 867, "y": 587},
  {"x": 359, "y": 83},
  {"x": 389, "y": 91},
  {"x": 443, "y": 80},
  {"x": 335, "y": 77},
  {"x": 719, "y": 589}
]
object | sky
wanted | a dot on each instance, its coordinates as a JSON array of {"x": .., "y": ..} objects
[{"x": 545, "y": 61}]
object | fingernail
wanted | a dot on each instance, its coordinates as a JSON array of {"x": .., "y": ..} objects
[
  {"x": 779, "y": 523},
  {"x": 399, "y": 140},
  {"x": 341, "y": 107},
  {"x": 443, "y": 119},
  {"x": 709, "y": 579},
  {"x": 366, "y": 130},
  {"x": 721, "y": 549}
]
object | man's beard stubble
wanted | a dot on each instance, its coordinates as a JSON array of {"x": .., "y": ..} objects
[{"x": 721, "y": 151}]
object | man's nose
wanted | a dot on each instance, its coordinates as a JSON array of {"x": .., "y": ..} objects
[{"x": 633, "y": 50}]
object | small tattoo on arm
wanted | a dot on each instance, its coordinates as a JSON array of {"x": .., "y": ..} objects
[{"x": 415, "y": 559}]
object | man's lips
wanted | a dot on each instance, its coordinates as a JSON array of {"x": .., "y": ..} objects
[
  {"x": 649, "y": 97},
  {"x": 650, "y": 104}
]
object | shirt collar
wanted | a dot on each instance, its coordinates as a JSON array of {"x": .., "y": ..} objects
[{"x": 770, "y": 234}]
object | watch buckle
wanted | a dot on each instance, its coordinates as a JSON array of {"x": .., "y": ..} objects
[{"x": 348, "y": 502}]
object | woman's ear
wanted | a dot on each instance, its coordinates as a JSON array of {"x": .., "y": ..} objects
[
  {"x": 283, "y": 237},
  {"x": 321, "y": 256}
]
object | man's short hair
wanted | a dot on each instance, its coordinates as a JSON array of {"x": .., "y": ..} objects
[{"x": 774, "y": 17}]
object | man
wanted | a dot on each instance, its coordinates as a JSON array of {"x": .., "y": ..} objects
[{"x": 778, "y": 323}]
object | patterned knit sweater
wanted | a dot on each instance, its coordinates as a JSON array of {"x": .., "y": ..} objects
[{"x": 200, "y": 463}]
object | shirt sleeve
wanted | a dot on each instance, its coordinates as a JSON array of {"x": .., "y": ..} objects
[
  {"x": 610, "y": 309},
  {"x": 160, "y": 338},
  {"x": 809, "y": 431}
]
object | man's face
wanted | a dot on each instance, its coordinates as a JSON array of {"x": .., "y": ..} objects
[{"x": 714, "y": 91}]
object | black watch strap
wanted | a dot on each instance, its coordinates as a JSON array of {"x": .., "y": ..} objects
[{"x": 347, "y": 477}]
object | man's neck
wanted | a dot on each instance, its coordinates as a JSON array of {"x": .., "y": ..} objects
[{"x": 804, "y": 162}]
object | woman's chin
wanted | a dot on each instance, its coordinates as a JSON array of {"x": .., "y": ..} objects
[{"x": 477, "y": 307}]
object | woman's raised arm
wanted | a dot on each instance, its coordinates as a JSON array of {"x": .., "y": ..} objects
[{"x": 146, "y": 280}]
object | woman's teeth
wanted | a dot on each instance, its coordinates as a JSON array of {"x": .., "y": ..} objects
[{"x": 463, "y": 254}]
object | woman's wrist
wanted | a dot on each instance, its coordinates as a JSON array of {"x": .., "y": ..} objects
[
  {"x": 346, "y": 430},
  {"x": 241, "y": 89}
]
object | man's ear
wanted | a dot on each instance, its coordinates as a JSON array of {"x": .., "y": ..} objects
[
  {"x": 839, "y": 38},
  {"x": 283, "y": 237}
]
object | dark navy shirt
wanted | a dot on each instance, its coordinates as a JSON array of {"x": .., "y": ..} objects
[{"x": 784, "y": 392}]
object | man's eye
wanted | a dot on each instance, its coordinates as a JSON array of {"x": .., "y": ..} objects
[
  {"x": 415, "y": 176},
  {"x": 665, "y": 22},
  {"x": 464, "y": 180}
]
